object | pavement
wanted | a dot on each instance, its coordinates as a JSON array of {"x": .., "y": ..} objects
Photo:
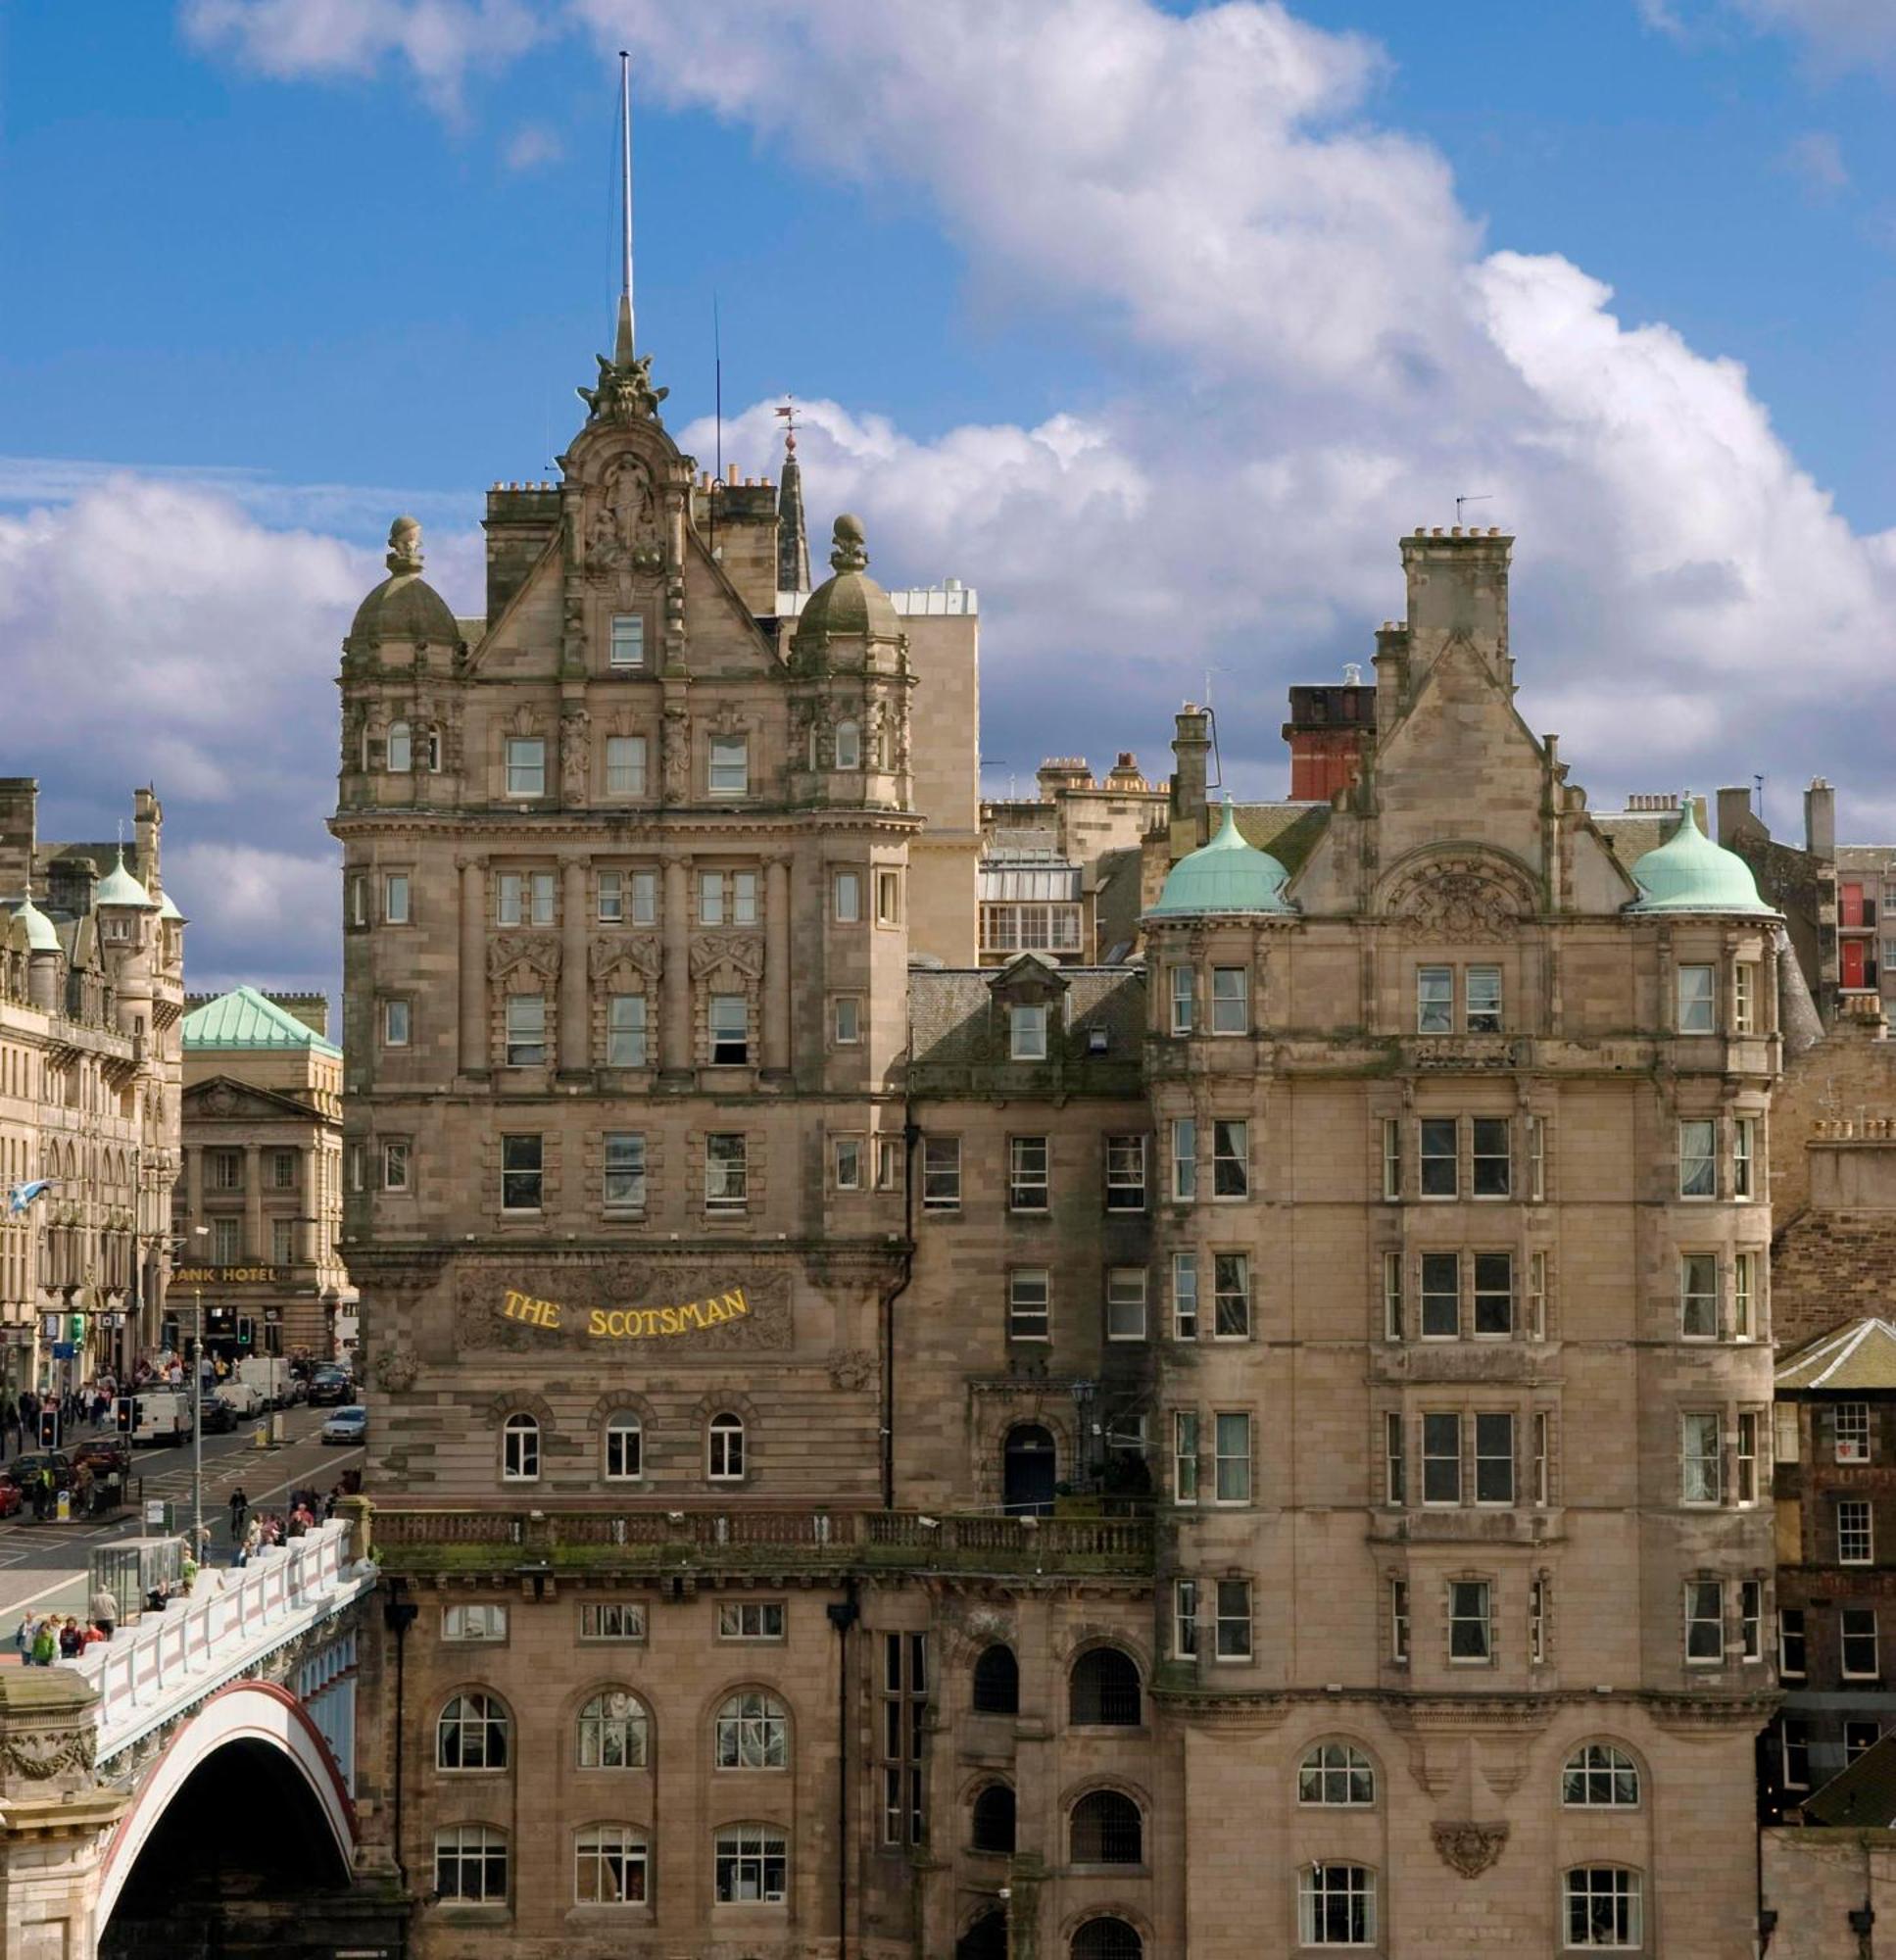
[{"x": 44, "y": 1566}]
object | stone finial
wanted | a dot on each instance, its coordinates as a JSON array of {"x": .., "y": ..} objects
[
  {"x": 403, "y": 546},
  {"x": 846, "y": 553}
]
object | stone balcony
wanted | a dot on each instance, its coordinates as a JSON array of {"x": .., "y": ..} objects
[{"x": 736, "y": 1541}]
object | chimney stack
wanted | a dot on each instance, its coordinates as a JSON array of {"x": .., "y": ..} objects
[{"x": 1458, "y": 589}]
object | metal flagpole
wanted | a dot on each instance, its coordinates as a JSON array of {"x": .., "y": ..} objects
[
  {"x": 625, "y": 216},
  {"x": 197, "y": 1432}
]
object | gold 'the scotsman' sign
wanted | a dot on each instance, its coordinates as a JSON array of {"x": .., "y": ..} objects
[{"x": 632, "y": 1323}]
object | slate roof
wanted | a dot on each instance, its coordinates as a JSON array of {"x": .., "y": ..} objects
[
  {"x": 244, "y": 1018},
  {"x": 1862, "y": 1797},
  {"x": 960, "y": 1037},
  {"x": 1862, "y": 1354}
]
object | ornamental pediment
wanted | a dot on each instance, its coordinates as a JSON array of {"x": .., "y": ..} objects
[
  {"x": 537, "y": 950},
  {"x": 742, "y": 953},
  {"x": 1470, "y": 896}
]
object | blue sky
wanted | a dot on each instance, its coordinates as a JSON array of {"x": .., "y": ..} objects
[{"x": 1156, "y": 325}]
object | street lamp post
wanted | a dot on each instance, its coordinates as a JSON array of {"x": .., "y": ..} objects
[{"x": 197, "y": 1428}]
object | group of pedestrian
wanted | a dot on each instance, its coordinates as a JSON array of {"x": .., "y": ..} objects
[
  {"x": 85, "y": 1406},
  {"x": 45, "y": 1637}
]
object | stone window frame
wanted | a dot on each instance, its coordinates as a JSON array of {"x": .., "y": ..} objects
[
  {"x": 1688, "y": 1583},
  {"x": 623, "y": 728},
  {"x": 722, "y": 975},
  {"x": 751, "y": 1204},
  {"x": 1338, "y": 1740},
  {"x": 1469, "y": 1576},
  {"x": 1637, "y": 1919}
]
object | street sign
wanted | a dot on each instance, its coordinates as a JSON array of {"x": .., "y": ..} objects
[
  {"x": 157, "y": 1514},
  {"x": 63, "y": 1351}
]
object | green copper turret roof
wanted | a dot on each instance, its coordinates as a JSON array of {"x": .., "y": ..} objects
[
  {"x": 246, "y": 1019},
  {"x": 120, "y": 888},
  {"x": 1689, "y": 873},
  {"x": 41, "y": 934},
  {"x": 168, "y": 908},
  {"x": 1226, "y": 876}
]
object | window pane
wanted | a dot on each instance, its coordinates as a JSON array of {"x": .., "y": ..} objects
[
  {"x": 1697, "y": 1000},
  {"x": 1439, "y": 1156},
  {"x": 1483, "y": 984},
  {"x": 1435, "y": 999}
]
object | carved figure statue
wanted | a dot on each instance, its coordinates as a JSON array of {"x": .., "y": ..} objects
[
  {"x": 677, "y": 754},
  {"x": 403, "y": 546},
  {"x": 624, "y": 392},
  {"x": 572, "y": 756}
]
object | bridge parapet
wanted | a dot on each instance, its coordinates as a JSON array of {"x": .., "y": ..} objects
[{"x": 150, "y": 1672}]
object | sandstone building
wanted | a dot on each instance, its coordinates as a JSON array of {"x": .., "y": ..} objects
[
  {"x": 92, "y": 996},
  {"x": 262, "y": 1170},
  {"x": 1262, "y": 1445}
]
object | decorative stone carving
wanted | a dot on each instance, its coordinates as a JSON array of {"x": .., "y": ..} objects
[
  {"x": 1469, "y": 1848},
  {"x": 644, "y": 951},
  {"x": 403, "y": 546},
  {"x": 509, "y": 949},
  {"x": 39, "y": 1755},
  {"x": 1464, "y": 897},
  {"x": 573, "y": 729},
  {"x": 625, "y": 533},
  {"x": 396, "y": 1371},
  {"x": 676, "y": 744},
  {"x": 623, "y": 392},
  {"x": 853, "y": 1370},
  {"x": 743, "y": 951}
]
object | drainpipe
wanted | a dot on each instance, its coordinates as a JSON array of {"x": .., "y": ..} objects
[
  {"x": 912, "y": 1136},
  {"x": 398, "y": 1616},
  {"x": 844, "y": 1613}
]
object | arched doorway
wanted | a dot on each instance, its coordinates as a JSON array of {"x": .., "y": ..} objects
[
  {"x": 1027, "y": 1471},
  {"x": 986, "y": 1938}
]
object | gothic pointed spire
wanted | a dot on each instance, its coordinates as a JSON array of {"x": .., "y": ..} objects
[
  {"x": 624, "y": 392},
  {"x": 793, "y": 537}
]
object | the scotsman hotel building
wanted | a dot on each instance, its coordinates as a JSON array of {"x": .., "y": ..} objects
[{"x": 1259, "y": 1447}]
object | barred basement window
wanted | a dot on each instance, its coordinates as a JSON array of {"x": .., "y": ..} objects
[{"x": 904, "y": 1705}]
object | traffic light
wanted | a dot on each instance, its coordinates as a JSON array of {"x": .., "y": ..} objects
[
  {"x": 125, "y": 1412},
  {"x": 49, "y": 1429},
  {"x": 246, "y": 1330}
]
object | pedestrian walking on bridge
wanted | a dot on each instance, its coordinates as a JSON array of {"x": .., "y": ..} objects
[{"x": 239, "y": 1514}]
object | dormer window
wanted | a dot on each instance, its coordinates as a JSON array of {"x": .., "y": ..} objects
[{"x": 1027, "y": 1031}]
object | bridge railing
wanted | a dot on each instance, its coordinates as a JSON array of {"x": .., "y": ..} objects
[{"x": 229, "y": 1618}]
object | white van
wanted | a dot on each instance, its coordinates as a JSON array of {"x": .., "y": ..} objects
[
  {"x": 245, "y": 1398},
  {"x": 163, "y": 1416},
  {"x": 269, "y": 1376}
]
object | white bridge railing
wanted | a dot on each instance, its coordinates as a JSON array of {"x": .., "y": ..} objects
[{"x": 149, "y": 1672}]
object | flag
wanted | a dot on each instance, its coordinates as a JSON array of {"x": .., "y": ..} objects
[{"x": 22, "y": 1195}]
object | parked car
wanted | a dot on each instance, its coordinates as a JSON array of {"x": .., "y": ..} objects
[
  {"x": 12, "y": 1498},
  {"x": 220, "y": 1418},
  {"x": 346, "y": 1425},
  {"x": 103, "y": 1456},
  {"x": 22, "y": 1470},
  {"x": 330, "y": 1387}
]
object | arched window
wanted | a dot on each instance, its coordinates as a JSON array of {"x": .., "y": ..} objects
[
  {"x": 613, "y": 1732},
  {"x": 849, "y": 745},
  {"x": 472, "y": 1734},
  {"x": 470, "y": 1864},
  {"x": 1106, "y": 1829},
  {"x": 752, "y": 1864},
  {"x": 725, "y": 1440},
  {"x": 624, "y": 1445},
  {"x": 992, "y": 1823},
  {"x": 996, "y": 1682},
  {"x": 401, "y": 751},
  {"x": 753, "y": 1732},
  {"x": 1107, "y": 1938},
  {"x": 1103, "y": 1689},
  {"x": 1337, "y": 1905},
  {"x": 1598, "y": 1773},
  {"x": 1603, "y": 1906},
  {"x": 519, "y": 1448},
  {"x": 608, "y": 1866},
  {"x": 1336, "y": 1773}
]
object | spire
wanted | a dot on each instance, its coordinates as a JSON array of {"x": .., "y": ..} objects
[
  {"x": 622, "y": 344},
  {"x": 624, "y": 392},
  {"x": 793, "y": 539}
]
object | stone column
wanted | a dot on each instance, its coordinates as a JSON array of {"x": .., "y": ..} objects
[
  {"x": 576, "y": 1032},
  {"x": 776, "y": 966},
  {"x": 473, "y": 969},
  {"x": 674, "y": 987},
  {"x": 57, "y": 1822},
  {"x": 255, "y": 1247}
]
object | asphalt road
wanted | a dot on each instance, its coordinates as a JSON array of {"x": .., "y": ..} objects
[{"x": 44, "y": 1566}]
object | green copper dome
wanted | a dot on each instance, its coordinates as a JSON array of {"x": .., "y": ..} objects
[
  {"x": 168, "y": 908},
  {"x": 851, "y": 604},
  {"x": 1227, "y": 875},
  {"x": 41, "y": 936},
  {"x": 1689, "y": 873},
  {"x": 120, "y": 888}
]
